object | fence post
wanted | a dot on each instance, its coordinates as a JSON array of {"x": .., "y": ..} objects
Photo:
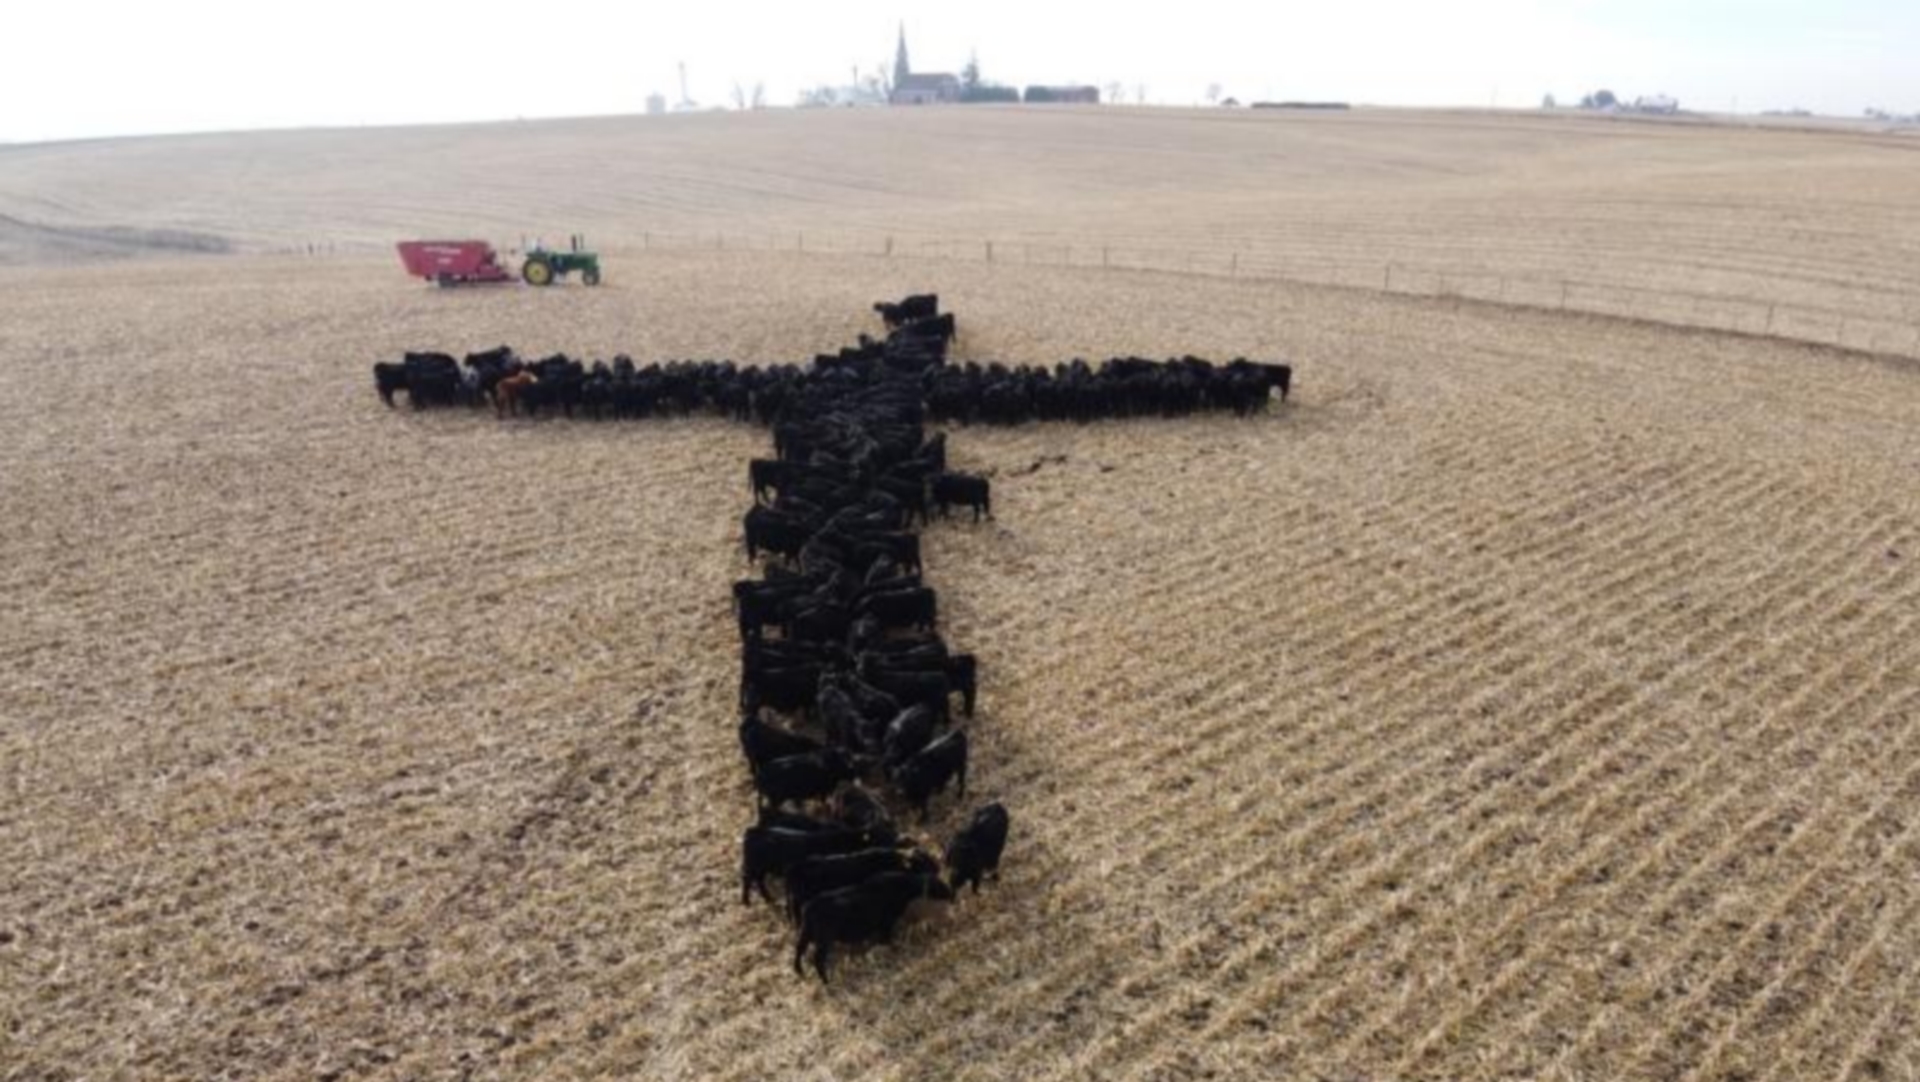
[
  {"x": 989, "y": 251},
  {"x": 1106, "y": 256},
  {"x": 889, "y": 246},
  {"x": 1234, "y": 270},
  {"x": 1387, "y": 284},
  {"x": 1563, "y": 296},
  {"x": 1770, "y": 318}
]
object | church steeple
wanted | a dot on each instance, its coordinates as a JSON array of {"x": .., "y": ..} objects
[{"x": 901, "y": 68}]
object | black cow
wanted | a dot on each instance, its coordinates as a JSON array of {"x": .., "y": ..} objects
[
  {"x": 764, "y": 743},
  {"x": 764, "y": 475},
  {"x": 820, "y": 623},
  {"x": 975, "y": 851},
  {"x": 916, "y": 607},
  {"x": 934, "y": 331},
  {"x": 912, "y": 309},
  {"x": 772, "y": 850},
  {"x": 931, "y": 769},
  {"x": 865, "y": 913},
  {"x": 787, "y": 688},
  {"x": 761, "y": 604},
  {"x": 910, "y": 686},
  {"x": 1280, "y": 378},
  {"x": 388, "y": 378},
  {"x": 856, "y": 807},
  {"x": 963, "y": 489},
  {"x": 908, "y": 734},
  {"x": 963, "y": 674},
  {"x": 837, "y": 714},
  {"x": 815, "y": 876},
  {"x": 805, "y": 777},
  {"x": 775, "y": 532},
  {"x": 870, "y": 701}
]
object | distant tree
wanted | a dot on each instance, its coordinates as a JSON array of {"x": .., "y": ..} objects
[
  {"x": 759, "y": 95},
  {"x": 1116, "y": 93},
  {"x": 881, "y": 81},
  {"x": 970, "y": 75},
  {"x": 1139, "y": 93},
  {"x": 1548, "y": 102},
  {"x": 1214, "y": 90},
  {"x": 1600, "y": 99}
]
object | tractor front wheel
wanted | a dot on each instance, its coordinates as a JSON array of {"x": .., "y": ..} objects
[
  {"x": 591, "y": 276},
  {"x": 537, "y": 272}
]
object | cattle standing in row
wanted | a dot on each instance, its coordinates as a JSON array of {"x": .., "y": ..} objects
[{"x": 965, "y": 394}]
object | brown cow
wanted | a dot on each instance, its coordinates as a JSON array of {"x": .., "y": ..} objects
[{"x": 506, "y": 393}]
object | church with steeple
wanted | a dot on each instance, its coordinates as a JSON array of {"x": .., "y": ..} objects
[{"x": 912, "y": 89}]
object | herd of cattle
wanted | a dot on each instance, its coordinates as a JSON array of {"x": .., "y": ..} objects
[
  {"x": 963, "y": 393},
  {"x": 847, "y": 690},
  {"x": 846, "y": 686}
]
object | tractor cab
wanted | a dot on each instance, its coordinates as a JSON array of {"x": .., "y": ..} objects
[{"x": 544, "y": 266}]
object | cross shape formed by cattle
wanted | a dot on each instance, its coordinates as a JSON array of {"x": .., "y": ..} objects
[{"x": 846, "y": 684}]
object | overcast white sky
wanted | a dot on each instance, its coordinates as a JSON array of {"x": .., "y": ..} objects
[{"x": 77, "y": 68}]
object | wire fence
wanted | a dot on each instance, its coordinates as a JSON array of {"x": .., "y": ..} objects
[{"x": 1796, "y": 321}]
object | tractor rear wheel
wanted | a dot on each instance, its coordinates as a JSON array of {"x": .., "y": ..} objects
[
  {"x": 537, "y": 272},
  {"x": 591, "y": 276}
]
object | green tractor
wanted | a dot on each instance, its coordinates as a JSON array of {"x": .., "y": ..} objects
[{"x": 545, "y": 266}]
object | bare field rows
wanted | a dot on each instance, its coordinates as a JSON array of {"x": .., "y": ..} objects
[{"x": 1534, "y": 697}]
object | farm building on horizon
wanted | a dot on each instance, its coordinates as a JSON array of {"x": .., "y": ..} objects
[
  {"x": 944, "y": 88},
  {"x": 1063, "y": 95},
  {"x": 939, "y": 88}
]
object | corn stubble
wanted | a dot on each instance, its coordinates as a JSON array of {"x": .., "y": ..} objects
[{"x": 1532, "y": 698}]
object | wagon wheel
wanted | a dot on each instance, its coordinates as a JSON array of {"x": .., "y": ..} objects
[{"x": 537, "y": 272}]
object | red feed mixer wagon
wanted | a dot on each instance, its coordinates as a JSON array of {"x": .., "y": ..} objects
[
  {"x": 453, "y": 262},
  {"x": 474, "y": 262}
]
